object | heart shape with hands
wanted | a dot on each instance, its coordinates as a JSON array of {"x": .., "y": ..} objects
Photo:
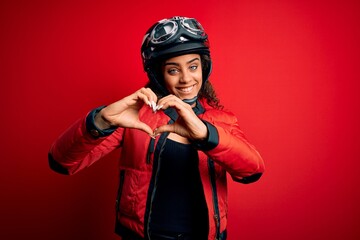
[{"x": 125, "y": 113}]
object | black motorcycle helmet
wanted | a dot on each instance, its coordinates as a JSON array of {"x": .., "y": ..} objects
[{"x": 170, "y": 38}]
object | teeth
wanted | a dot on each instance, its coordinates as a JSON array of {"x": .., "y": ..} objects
[{"x": 188, "y": 89}]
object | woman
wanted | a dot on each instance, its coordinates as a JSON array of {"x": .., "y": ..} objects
[{"x": 177, "y": 142}]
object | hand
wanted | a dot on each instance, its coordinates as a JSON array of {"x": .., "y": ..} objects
[
  {"x": 187, "y": 125},
  {"x": 125, "y": 112}
]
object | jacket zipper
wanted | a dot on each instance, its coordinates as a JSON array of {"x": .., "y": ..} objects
[
  {"x": 118, "y": 196},
  {"x": 155, "y": 184},
  {"x": 215, "y": 199},
  {"x": 151, "y": 149}
]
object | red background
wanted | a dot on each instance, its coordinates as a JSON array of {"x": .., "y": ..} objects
[{"x": 288, "y": 69}]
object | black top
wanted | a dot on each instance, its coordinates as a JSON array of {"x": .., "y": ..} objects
[{"x": 179, "y": 204}]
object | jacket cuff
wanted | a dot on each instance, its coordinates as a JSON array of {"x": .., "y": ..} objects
[
  {"x": 91, "y": 127},
  {"x": 249, "y": 179},
  {"x": 211, "y": 141},
  {"x": 55, "y": 166}
]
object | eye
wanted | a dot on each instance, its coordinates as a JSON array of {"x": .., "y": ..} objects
[
  {"x": 172, "y": 71},
  {"x": 193, "y": 67}
]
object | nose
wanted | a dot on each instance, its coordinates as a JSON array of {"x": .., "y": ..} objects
[{"x": 185, "y": 77}]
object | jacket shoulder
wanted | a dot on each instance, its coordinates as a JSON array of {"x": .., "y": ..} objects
[{"x": 218, "y": 115}]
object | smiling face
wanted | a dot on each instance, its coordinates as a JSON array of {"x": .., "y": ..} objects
[{"x": 183, "y": 75}]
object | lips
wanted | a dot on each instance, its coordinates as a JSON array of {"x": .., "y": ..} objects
[{"x": 185, "y": 89}]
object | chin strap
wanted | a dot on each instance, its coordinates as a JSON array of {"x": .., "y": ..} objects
[{"x": 190, "y": 101}]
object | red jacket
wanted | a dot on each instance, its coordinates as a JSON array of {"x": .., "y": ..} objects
[{"x": 226, "y": 150}]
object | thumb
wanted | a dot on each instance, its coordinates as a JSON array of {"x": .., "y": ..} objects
[
  {"x": 144, "y": 127},
  {"x": 164, "y": 128}
]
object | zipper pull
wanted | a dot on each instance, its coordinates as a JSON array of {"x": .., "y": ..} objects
[
  {"x": 217, "y": 223},
  {"x": 216, "y": 217}
]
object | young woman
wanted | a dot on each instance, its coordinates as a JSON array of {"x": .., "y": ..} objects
[{"x": 177, "y": 142}]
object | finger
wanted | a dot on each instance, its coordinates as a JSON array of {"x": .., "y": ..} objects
[
  {"x": 172, "y": 101},
  {"x": 144, "y": 98},
  {"x": 144, "y": 127},
  {"x": 151, "y": 96},
  {"x": 167, "y": 98},
  {"x": 164, "y": 128}
]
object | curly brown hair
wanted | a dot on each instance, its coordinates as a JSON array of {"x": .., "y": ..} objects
[{"x": 207, "y": 90}]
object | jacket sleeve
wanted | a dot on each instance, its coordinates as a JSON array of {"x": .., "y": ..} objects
[
  {"x": 227, "y": 145},
  {"x": 76, "y": 148}
]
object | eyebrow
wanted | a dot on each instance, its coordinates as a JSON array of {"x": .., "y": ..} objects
[{"x": 177, "y": 64}]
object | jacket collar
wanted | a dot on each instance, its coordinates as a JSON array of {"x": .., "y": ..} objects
[{"x": 171, "y": 112}]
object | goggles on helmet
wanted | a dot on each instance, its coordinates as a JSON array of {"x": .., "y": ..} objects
[{"x": 178, "y": 28}]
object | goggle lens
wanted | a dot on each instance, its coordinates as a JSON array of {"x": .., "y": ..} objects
[
  {"x": 192, "y": 25},
  {"x": 164, "y": 31}
]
